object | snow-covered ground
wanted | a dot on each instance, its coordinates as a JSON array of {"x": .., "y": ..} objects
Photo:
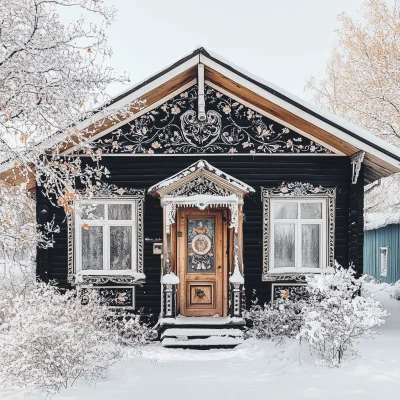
[{"x": 255, "y": 370}]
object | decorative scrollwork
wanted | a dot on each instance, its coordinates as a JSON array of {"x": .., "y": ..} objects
[
  {"x": 356, "y": 163},
  {"x": 201, "y": 185},
  {"x": 105, "y": 279},
  {"x": 200, "y": 133},
  {"x": 229, "y": 127},
  {"x": 297, "y": 189},
  {"x": 106, "y": 190}
]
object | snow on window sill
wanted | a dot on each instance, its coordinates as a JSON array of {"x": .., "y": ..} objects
[
  {"x": 300, "y": 271},
  {"x": 137, "y": 276}
]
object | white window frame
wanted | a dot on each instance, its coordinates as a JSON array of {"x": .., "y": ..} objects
[
  {"x": 298, "y": 222},
  {"x": 106, "y": 224},
  {"x": 383, "y": 260}
]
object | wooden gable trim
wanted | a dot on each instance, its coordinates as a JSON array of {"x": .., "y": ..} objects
[
  {"x": 276, "y": 119},
  {"x": 143, "y": 111},
  {"x": 150, "y": 98},
  {"x": 278, "y": 112},
  {"x": 341, "y": 132}
]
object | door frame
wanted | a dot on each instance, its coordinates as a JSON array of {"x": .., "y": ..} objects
[{"x": 179, "y": 255}]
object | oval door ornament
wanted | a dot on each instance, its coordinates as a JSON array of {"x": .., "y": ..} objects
[{"x": 201, "y": 244}]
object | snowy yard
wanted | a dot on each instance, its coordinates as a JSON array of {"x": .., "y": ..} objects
[{"x": 256, "y": 370}]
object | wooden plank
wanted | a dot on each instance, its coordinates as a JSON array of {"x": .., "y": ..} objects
[
  {"x": 277, "y": 111},
  {"x": 16, "y": 178},
  {"x": 150, "y": 98}
]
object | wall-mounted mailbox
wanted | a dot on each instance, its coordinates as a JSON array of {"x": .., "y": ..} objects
[{"x": 157, "y": 248}]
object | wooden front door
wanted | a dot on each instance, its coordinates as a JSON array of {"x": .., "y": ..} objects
[{"x": 202, "y": 263}]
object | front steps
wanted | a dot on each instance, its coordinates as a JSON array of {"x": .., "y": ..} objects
[{"x": 201, "y": 332}]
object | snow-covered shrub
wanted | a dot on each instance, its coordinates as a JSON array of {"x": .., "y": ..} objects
[
  {"x": 396, "y": 293},
  {"x": 337, "y": 316},
  {"x": 276, "y": 321},
  {"x": 134, "y": 332},
  {"x": 49, "y": 339}
]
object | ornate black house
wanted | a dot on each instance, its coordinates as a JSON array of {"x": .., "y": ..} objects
[{"x": 222, "y": 188}]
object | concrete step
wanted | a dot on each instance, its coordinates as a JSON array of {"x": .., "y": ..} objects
[
  {"x": 211, "y": 342},
  {"x": 201, "y": 333}
]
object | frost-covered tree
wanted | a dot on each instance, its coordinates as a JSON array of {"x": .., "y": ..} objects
[
  {"x": 48, "y": 340},
  {"x": 363, "y": 73},
  {"x": 52, "y": 75},
  {"x": 336, "y": 316}
]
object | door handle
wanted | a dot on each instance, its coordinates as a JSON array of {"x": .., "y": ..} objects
[{"x": 219, "y": 267}]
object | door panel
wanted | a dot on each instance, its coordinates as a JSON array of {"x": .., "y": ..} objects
[{"x": 201, "y": 262}]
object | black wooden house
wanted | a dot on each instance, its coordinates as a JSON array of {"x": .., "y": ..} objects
[{"x": 222, "y": 188}]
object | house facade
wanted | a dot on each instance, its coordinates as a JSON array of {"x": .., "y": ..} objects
[{"x": 222, "y": 189}]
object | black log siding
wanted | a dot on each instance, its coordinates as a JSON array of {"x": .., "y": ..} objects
[
  {"x": 257, "y": 171},
  {"x": 356, "y": 223}
]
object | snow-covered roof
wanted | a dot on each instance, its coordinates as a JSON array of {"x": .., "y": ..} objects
[
  {"x": 203, "y": 55},
  {"x": 381, "y": 159},
  {"x": 201, "y": 165},
  {"x": 382, "y": 203},
  {"x": 381, "y": 219}
]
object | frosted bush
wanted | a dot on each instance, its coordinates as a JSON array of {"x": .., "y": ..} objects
[
  {"x": 48, "y": 340},
  {"x": 396, "y": 293},
  {"x": 276, "y": 321},
  {"x": 133, "y": 332},
  {"x": 336, "y": 316}
]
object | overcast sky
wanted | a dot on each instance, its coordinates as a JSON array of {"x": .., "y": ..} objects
[{"x": 282, "y": 41}]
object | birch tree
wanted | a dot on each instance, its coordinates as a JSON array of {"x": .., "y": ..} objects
[
  {"x": 52, "y": 76},
  {"x": 362, "y": 78}
]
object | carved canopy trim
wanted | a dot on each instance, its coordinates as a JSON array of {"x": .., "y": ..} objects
[
  {"x": 229, "y": 127},
  {"x": 201, "y": 178},
  {"x": 296, "y": 190}
]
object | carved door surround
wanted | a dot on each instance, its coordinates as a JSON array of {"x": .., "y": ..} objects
[
  {"x": 202, "y": 262},
  {"x": 215, "y": 199}
]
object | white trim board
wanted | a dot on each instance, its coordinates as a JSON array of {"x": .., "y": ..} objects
[
  {"x": 134, "y": 116},
  {"x": 277, "y": 120},
  {"x": 302, "y": 114}
]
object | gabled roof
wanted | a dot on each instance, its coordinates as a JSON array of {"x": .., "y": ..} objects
[
  {"x": 381, "y": 159},
  {"x": 200, "y": 169}
]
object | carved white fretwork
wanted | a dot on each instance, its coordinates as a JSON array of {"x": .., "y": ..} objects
[
  {"x": 108, "y": 192},
  {"x": 356, "y": 162},
  {"x": 296, "y": 190}
]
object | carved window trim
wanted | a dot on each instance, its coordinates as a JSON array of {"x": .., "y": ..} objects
[
  {"x": 105, "y": 194},
  {"x": 297, "y": 190}
]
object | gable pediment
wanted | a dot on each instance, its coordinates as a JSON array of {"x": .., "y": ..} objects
[
  {"x": 173, "y": 127},
  {"x": 200, "y": 178}
]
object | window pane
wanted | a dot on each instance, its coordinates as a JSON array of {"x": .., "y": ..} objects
[
  {"x": 92, "y": 247},
  {"x": 119, "y": 211},
  {"x": 285, "y": 210},
  {"x": 200, "y": 245},
  {"x": 120, "y": 247},
  {"x": 310, "y": 240},
  {"x": 284, "y": 247},
  {"x": 311, "y": 210},
  {"x": 92, "y": 211}
]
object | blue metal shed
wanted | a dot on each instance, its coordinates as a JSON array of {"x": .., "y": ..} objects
[{"x": 382, "y": 245}]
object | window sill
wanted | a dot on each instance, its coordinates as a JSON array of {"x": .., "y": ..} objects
[
  {"x": 296, "y": 274},
  {"x": 115, "y": 276}
]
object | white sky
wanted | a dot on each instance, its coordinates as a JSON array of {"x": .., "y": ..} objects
[{"x": 282, "y": 41}]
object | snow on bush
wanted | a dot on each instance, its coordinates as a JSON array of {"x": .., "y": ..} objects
[
  {"x": 275, "y": 321},
  {"x": 396, "y": 294},
  {"x": 48, "y": 340},
  {"x": 337, "y": 316},
  {"x": 134, "y": 332}
]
